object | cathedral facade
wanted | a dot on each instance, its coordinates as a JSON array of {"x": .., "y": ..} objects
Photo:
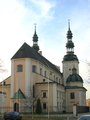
[{"x": 33, "y": 77}]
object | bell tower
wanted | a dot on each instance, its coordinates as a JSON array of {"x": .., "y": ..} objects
[{"x": 70, "y": 60}]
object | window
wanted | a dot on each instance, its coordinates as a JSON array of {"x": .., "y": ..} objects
[
  {"x": 33, "y": 92},
  {"x": 44, "y": 94},
  {"x": 40, "y": 71},
  {"x": 44, "y": 105},
  {"x": 43, "y": 80},
  {"x": 20, "y": 68},
  {"x": 56, "y": 79},
  {"x": 33, "y": 68},
  {"x": 50, "y": 73},
  {"x": 4, "y": 82},
  {"x": 59, "y": 80},
  {"x": 72, "y": 96},
  {"x": 45, "y": 73}
]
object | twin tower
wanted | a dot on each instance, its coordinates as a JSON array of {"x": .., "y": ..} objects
[{"x": 70, "y": 60}]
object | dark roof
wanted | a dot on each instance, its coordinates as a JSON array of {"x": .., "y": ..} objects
[
  {"x": 49, "y": 83},
  {"x": 74, "y": 87},
  {"x": 18, "y": 95},
  {"x": 26, "y": 51},
  {"x": 74, "y": 78},
  {"x": 70, "y": 56}
]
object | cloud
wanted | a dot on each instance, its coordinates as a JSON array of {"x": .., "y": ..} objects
[{"x": 45, "y": 7}]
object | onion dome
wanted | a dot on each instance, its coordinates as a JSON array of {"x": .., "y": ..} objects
[
  {"x": 69, "y": 44},
  {"x": 74, "y": 77},
  {"x": 36, "y": 47}
]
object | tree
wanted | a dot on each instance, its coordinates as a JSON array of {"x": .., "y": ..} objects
[
  {"x": 38, "y": 107},
  {"x": 31, "y": 98}
]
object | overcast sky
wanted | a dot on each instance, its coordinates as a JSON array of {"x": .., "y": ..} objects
[{"x": 17, "y": 19}]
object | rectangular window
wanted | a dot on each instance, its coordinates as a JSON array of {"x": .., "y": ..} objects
[
  {"x": 33, "y": 68},
  {"x": 33, "y": 92},
  {"x": 20, "y": 68},
  {"x": 44, "y": 94},
  {"x": 40, "y": 71},
  {"x": 72, "y": 96},
  {"x": 45, "y": 73},
  {"x": 44, "y": 105},
  {"x": 56, "y": 79},
  {"x": 43, "y": 80}
]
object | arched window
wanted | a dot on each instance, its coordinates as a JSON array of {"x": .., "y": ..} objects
[
  {"x": 19, "y": 68},
  {"x": 33, "y": 68},
  {"x": 16, "y": 107}
]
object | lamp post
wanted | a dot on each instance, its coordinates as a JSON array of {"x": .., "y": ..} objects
[
  {"x": 48, "y": 94},
  {"x": 2, "y": 97}
]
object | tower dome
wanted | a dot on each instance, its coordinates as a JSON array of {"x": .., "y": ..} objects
[{"x": 74, "y": 77}]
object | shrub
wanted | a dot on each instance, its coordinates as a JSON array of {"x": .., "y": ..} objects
[
  {"x": 64, "y": 111},
  {"x": 38, "y": 107}
]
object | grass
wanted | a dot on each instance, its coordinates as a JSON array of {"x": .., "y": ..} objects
[{"x": 64, "y": 118}]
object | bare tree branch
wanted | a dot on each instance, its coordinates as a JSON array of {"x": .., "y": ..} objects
[
  {"x": 88, "y": 69},
  {"x": 2, "y": 69}
]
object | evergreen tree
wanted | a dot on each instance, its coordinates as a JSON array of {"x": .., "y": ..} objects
[{"x": 38, "y": 107}]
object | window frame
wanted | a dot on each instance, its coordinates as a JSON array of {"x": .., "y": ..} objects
[
  {"x": 44, "y": 106},
  {"x": 72, "y": 95},
  {"x": 40, "y": 71},
  {"x": 19, "y": 68},
  {"x": 44, "y": 95},
  {"x": 45, "y": 73},
  {"x": 34, "y": 68}
]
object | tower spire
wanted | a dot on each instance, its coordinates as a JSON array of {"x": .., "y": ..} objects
[
  {"x": 35, "y": 28},
  {"x": 69, "y": 24},
  {"x": 35, "y": 40},
  {"x": 69, "y": 44},
  {"x": 70, "y": 47},
  {"x": 69, "y": 33}
]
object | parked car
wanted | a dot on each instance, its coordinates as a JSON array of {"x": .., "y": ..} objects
[
  {"x": 12, "y": 115},
  {"x": 84, "y": 117}
]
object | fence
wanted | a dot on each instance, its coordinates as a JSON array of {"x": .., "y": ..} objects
[
  {"x": 67, "y": 109},
  {"x": 82, "y": 109}
]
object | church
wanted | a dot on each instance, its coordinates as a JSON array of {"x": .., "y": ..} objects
[{"x": 33, "y": 77}]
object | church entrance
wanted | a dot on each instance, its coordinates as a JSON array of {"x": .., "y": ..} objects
[{"x": 16, "y": 107}]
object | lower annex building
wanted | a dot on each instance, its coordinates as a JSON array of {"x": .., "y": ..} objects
[{"x": 33, "y": 77}]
